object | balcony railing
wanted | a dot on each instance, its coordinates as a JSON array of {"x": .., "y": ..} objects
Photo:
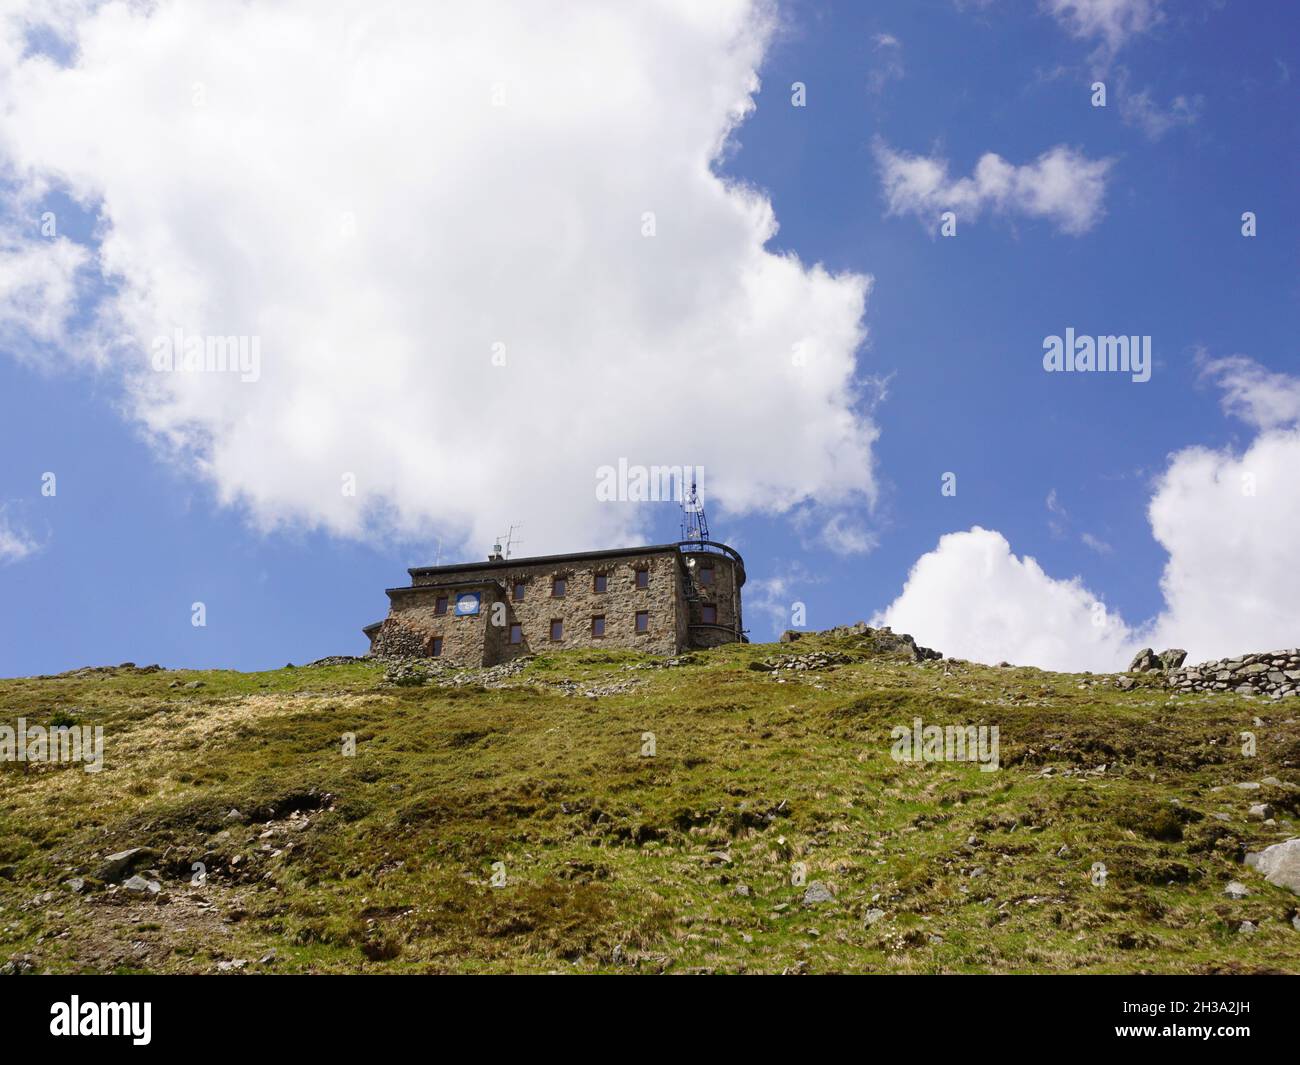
[{"x": 712, "y": 547}]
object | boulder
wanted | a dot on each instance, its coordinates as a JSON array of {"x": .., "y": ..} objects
[
  {"x": 120, "y": 864},
  {"x": 1145, "y": 661},
  {"x": 817, "y": 893},
  {"x": 1173, "y": 658},
  {"x": 1278, "y": 864},
  {"x": 790, "y": 635}
]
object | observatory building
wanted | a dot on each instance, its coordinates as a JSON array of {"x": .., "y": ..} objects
[{"x": 662, "y": 599}]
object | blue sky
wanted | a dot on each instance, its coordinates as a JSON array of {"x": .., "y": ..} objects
[{"x": 1063, "y": 466}]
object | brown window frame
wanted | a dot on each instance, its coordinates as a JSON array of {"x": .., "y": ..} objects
[
  {"x": 516, "y": 627},
  {"x": 559, "y": 622},
  {"x": 594, "y": 634},
  {"x": 705, "y": 609},
  {"x": 517, "y": 592},
  {"x": 596, "y": 579},
  {"x": 706, "y": 581},
  {"x": 435, "y": 647},
  {"x": 639, "y": 615},
  {"x": 642, "y": 578},
  {"x": 440, "y": 606},
  {"x": 563, "y": 582}
]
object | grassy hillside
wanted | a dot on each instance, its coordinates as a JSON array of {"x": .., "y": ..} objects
[{"x": 383, "y": 861}]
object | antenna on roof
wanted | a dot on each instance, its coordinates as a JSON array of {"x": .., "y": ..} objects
[
  {"x": 695, "y": 526},
  {"x": 510, "y": 540}
]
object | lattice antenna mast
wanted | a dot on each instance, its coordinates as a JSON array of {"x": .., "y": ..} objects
[{"x": 695, "y": 526}]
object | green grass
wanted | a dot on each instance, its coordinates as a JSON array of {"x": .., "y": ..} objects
[{"x": 618, "y": 862}]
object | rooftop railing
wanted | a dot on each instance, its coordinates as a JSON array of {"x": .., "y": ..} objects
[{"x": 711, "y": 547}]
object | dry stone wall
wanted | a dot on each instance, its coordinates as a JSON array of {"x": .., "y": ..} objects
[
  {"x": 1274, "y": 673},
  {"x": 882, "y": 641}
]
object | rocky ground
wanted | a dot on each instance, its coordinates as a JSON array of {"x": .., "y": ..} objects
[{"x": 734, "y": 810}]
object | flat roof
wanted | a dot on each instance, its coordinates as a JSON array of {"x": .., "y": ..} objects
[
  {"x": 542, "y": 560},
  {"x": 434, "y": 586}
]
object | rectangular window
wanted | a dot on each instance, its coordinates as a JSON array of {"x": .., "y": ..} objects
[
  {"x": 557, "y": 587},
  {"x": 643, "y": 621},
  {"x": 643, "y": 578},
  {"x": 706, "y": 575},
  {"x": 557, "y": 629},
  {"x": 518, "y": 594},
  {"x": 600, "y": 582},
  {"x": 516, "y": 634},
  {"x": 709, "y": 614},
  {"x": 598, "y": 625},
  {"x": 440, "y": 605},
  {"x": 435, "y": 647}
]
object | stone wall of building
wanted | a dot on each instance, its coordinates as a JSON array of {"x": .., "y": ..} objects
[
  {"x": 723, "y": 593},
  {"x": 674, "y": 600},
  {"x": 475, "y": 640},
  {"x": 396, "y": 639},
  {"x": 413, "y": 621}
]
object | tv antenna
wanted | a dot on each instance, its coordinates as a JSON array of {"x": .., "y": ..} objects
[{"x": 511, "y": 542}]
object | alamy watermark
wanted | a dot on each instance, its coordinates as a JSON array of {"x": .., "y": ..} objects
[
  {"x": 58, "y": 743},
  {"x": 197, "y": 353},
  {"x": 946, "y": 743},
  {"x": 78, "y": 1018},
  {"x": 626, "y": 483},
  {"x": 1081, "y": 354}
]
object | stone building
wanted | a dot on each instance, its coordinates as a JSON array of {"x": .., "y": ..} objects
[{"x": 662, "y": 599}]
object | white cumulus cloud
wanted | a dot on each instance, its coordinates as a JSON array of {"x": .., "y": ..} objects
[
  {"x": 434, "y": 220},
  {"x": 972, "y": 597},
  {"x": 1111, "y": 22},
  {"x": 887, "y": 65},
  {"x": 1140, "y": 109},
  {"x": 39, "y": 285},
  {"x": 1253, "y": 393},
  {"x": 16, "y": 543},
  {"x": 1227, "y": 518},
  {"x": 1229, "y": 521},
  {"x": 1062, "y": 186}
]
